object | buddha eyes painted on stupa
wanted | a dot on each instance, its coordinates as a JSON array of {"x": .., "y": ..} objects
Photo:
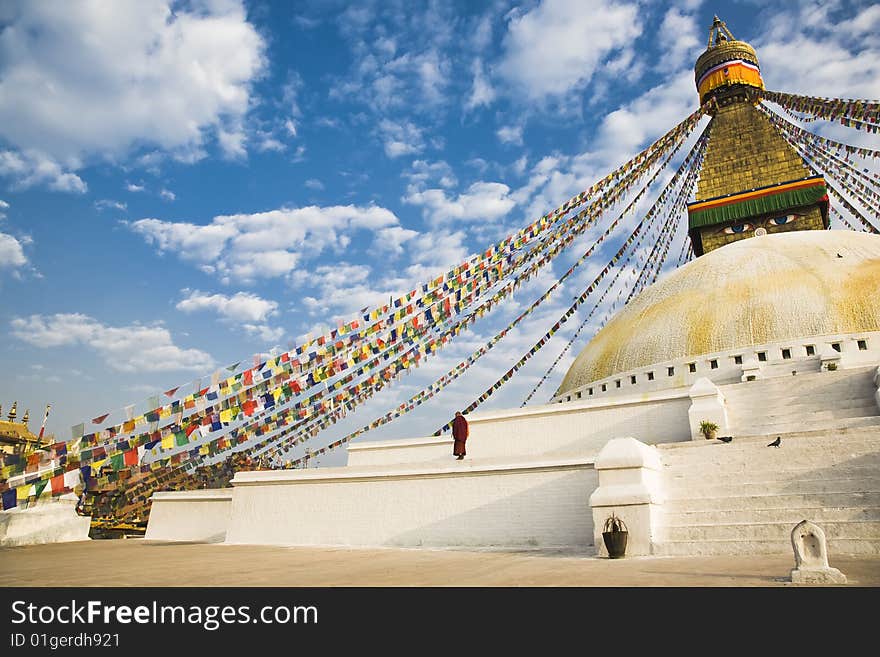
[
  {"x": 769, "y": 224},
  {"x": 737, "y": 229},
  {"x": 784, "y": 219}
]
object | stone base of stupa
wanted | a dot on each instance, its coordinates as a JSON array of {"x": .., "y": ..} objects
[{"x": 52, "y": 521}]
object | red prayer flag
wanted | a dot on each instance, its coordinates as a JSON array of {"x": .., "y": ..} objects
[
  {"x": 57, "y": 483},
  {"x": 131, "y": 457},
  {"x": 170, "y": 393},
  {"x": 248, "y": 377},
  {"x": 100, "y": 418}
]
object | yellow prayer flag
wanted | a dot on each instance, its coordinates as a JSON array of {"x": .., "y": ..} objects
[
  {"x": 168, "y": 441},
  {"x": 226, "y": 416}
]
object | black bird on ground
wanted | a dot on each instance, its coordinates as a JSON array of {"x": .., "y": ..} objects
[
  {"x": 725, "y": 439},
  {"x": 839, "y": 256},
  {"x": 776, "y": 442}
]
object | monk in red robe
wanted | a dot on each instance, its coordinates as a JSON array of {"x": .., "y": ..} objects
[{"x": 459, "y": 434}]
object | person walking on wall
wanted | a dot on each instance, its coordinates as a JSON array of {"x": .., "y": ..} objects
[{"x": 459, "y": 434}]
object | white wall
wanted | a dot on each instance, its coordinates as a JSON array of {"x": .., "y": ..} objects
[
  {"x": 535, "y": 505},
  {"x": 198, "y": 515},
  {"x": 580, "y": 428}
]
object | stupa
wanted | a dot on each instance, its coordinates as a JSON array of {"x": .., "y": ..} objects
[{"x": 772, "y": 332}]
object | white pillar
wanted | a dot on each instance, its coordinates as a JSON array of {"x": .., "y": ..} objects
[
  {"x": 751, "y": 369},
  {"x": 829, "y": 355},
  {"x": 630, "y": 487},
  {"x": 877, "y": 385},
  {"x": 707, "y": 403}
]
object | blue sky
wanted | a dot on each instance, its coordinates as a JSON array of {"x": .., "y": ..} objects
[{"x": 186, "y": 184}]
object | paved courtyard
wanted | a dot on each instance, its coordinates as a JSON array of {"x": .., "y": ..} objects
[{"x": 121, "y": 563}]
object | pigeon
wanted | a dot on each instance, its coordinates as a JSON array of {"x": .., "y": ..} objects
[
  {"x": 839, "y": 256},
  {"x": 725, "y": 439},
  {"x": 776, "y": 442}
]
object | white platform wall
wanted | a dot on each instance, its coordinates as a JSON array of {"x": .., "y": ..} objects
[
  {"x": 198, "y": 515},
  {"x": 48, "y": 522},
  {"x": 539, "y": 504},
  {"x": 580, "y": 428}
]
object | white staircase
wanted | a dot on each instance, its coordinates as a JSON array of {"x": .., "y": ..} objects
[
  {"x": 744, "y": 497},
  {"x": 807, "y": 401}
]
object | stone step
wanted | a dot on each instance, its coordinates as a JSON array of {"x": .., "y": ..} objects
[
  {"x": 851, "y": 408},
  {"x": 760, "y": 429},
  {"x": 783, "y": 514},
  {"x": 776, "y": 468},
  {"x": 809, "y": 379},
  {"x": 869, "y": 431},
  {"x": 784, "y": 409},
  {"x": 754, "y": 467},
  {"x": 737, "y": 451},
  {"x": 801, "y": 487},
  {"x": 804, "y": 382},
  {"x": 745, "y": 531},
  {"x": 828, "y": 499},
  {"x": 868, "y": 422},
  {"x": 720, "y": 547}
]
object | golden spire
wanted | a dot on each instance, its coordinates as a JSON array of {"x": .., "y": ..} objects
[
  {"x": 12, "y": 412},
  {"x": 26, "y": 417},
  {"x": 719, "y": 33}
]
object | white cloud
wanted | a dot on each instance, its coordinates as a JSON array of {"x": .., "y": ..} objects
[
  {"x": 483, "y": 201},
  {"x": 168, "y": 195},
  {"x": 108, "y": 204},
  {"x": 131, "y": 187},
  {"x": 30, "y": 167},
  {"x": 133, "y": 348},
  {"x": 804, "y": 50},
  {"x": 482, "y": 92},
  {"x": 264, "y": 332},
  {"x": 679, "y": 31},
  {"x": 341, "y": 289},
  {"x": 422, "y": 171},
  {"x": 267, "y": 143},
  {"x": 96, "y": 80},
  {"x": 314, "y": 183},
  {"x": 510, "y": 134},
  {"x": 400, "y": 138},
  {"x": 242, "y": 306},
  {"x": 557, "y": 47},
  {"x": 245, "y": 247},
  {"x": 393, "y": 238},
  {"x": 11, "y": 252}
]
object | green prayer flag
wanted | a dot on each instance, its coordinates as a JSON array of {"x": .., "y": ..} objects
[
  {"x": 39, "y": 486},
  {"x": 180, "y": 438}
]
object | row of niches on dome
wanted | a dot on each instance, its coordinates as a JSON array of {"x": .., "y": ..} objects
[
  {"x": 786, "y": 291},
  {"x": 778, "y": 359}
]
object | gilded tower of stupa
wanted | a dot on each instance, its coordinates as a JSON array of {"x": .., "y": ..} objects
[{"x": 752, "y": 182}]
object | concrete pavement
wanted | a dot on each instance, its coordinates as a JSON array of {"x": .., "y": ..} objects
[{"x": 136, "y": 562}]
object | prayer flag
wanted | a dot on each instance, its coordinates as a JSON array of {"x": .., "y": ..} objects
[{"x": 9, "y": 499}]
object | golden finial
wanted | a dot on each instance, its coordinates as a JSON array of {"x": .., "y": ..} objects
[
  {"x": 12, "y": 412},
  {"x": 27, "y": 415},
  {"x": 719, "y": 33}
]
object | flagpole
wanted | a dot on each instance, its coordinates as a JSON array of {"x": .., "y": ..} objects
[{"x": 43, "y": 426}]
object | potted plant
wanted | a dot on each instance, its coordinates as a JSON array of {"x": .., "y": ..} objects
[
  {"x": 708, "y": 429},
  {"x": 614, "y": 533}
]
